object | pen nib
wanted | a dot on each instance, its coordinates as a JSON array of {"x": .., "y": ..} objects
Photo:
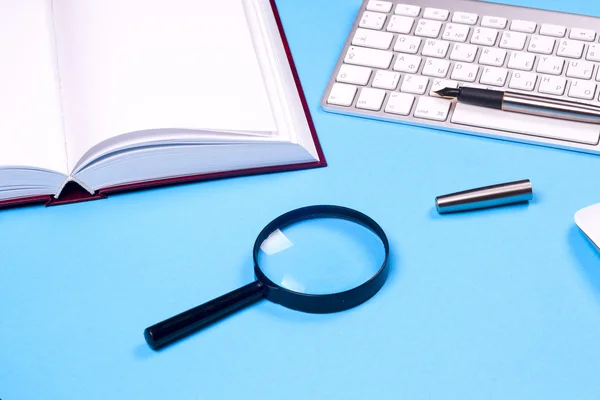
[{"x": 448, "y": 93}]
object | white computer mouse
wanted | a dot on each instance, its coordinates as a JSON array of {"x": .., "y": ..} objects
[{"x": 588, "y": 220}]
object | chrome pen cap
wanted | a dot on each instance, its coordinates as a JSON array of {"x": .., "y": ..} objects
[{"x": 485, "y": 197}]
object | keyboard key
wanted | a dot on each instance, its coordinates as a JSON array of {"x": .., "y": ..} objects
[
  {"x": 400, "y": 24},
  {"x": 414, "y": 84},
  {"x": 484, "y": 36},
  {"x": 354, "y": 74},
  {"x": 378, "y": 5},
  {"x": 593, "y": 53},
  {"x": 407, "y": 44},
  {"x": 582, "y": 34},
  {"x": 372, "y": 20},
  {"x": 522, "y": 61},
  {"x": 513, "y": 40},
  {"x": 580, "y": 69},
  {"x": 493, "y": 22},
  {"x": 399, "y": 103},
  {"x": 386, "y": 80},
  {"x": 436, "y": 67},
  {"x": 494, "y": 76},
  {"x": 428, "y": 28},
  {"x": 407, "y": 63},
  {"x": 466, "y": 114},
  {"x": 523, "y": 26},
  {"x": 456, "y": 32},
  {"x": 432, "y": 108},
  {"x": 342, "y": 94},
  {"x": 439, "y": 84},
  {"x": 370, "y": 99},
  {"x": 553, "y": 85},
  {"x": 374, "y": 39},
  {"x": 368, "y": 57},
  {"x": 465, "y": 18},
  {"x": 570, "y": 48},
  {"x": 465, "y": 72},
  {"x": 523, "y": 81},
  {"x": 550, "y": 65},
  {"x": 464, "y": 52},
  {"x": 598, "y": 75},
  {"x": 494, "y": 57},
  {"x": 435, "y": 48},
  {"x": 436, "y": 13},
  {"x": 408, "y": 10},
  {"x": 585, "y": 90},
  {"x": 553, "y": 30},
  {"x": 541, "y": 45}
]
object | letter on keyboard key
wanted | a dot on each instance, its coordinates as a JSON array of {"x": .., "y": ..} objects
[
  {"x": 428, "y": 28},
  {"x": 465, "y": 114},
  {"x": 465, "y": 72},
  {"x": 342, "y": 94},
  {"x": 439, "y": 84},
  {"x": 414, "y": 84},
  {"x": 370, "y": 99},
  {"x": 436, "y": 67},
  {"x": 435, "y": 48},
  {"x": 464, "y": 52},
  {"x": 523, "y": 81},
  {"x": 386, "y": 80},
  {"x": 553, "y": 85},
  {"x": 494, "y": 76},
  {"x": 570, "y": 48},
  {"x": 407, "y": 44},
  {"x": 400, "y": 24},
  {"x": 374, "y": 39},
  {"x": 354, "y": 74},
  {"x": 585, "y": 90},
  {"x": 432, "y": 108},
  {"x": 550, "y": 65},
  {"x": 493, "y": 22},
  {"x": 399, "y": 103},
  {"x": 494, "y": 57},
  {"x": 407, "y": 63},
  {"x": 378, "y": 5},
  {"x": 368, "y": 57},
  {"x": 580, "y": 69},
  {"x": 513, "y": 40},
  {"x": 372, "y": 20},
  {"x": 456, "y": 32},
  {"x": 522, "y": 61},
  {"x": 408, "y": 10}
]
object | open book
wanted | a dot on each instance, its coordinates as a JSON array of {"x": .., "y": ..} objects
[{"x": 118, "y": 94}]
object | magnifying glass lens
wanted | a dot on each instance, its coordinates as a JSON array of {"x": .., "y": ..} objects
[{"x": 321, "y": 256}]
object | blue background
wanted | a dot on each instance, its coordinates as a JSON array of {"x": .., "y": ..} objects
[{"x": 495, "y": 304}]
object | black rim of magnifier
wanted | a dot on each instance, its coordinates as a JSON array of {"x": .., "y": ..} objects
[
  {"x": 179, "y": 326},
  {"x": 322, "y": 303}
]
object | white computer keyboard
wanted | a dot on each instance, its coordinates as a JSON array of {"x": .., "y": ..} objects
[{"x": 400, "y": 51}]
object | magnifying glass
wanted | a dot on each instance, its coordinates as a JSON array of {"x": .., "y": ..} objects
[{"x": 317, "y": 259}]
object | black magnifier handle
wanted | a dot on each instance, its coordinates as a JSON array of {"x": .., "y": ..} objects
[{"x": 190, "y": 321}]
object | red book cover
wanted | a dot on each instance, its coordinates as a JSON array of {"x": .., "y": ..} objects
[{"x": 73, "y": 193}]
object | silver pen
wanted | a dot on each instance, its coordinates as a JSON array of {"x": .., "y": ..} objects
[{"x": 524, "y": 104}]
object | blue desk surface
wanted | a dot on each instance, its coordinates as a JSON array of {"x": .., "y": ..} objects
[{"x": 499, "y": 304}]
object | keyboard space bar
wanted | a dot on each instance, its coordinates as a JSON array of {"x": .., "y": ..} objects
[{"x": 465, "y": 114}]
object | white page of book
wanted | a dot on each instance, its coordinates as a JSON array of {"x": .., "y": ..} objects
[
  {"x": 31, "y": 133},
  {"x": 131, "y": 65}
]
